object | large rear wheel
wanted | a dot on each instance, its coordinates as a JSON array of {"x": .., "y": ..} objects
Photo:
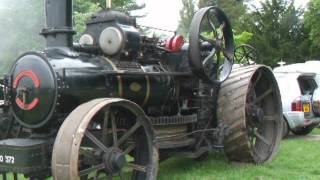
[{"x": 249, "y": 103}]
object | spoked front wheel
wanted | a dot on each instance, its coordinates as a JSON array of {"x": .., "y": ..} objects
[{"x": 105, "y": 139}]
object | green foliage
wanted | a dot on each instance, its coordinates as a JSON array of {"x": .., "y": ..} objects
[
  {"x": 312, "y": 22},
  {"x": 234, "y": 9},
  {"x": 278, "y": 32},
  {"x": 83, "y": 9},
  {"x": 186, "y": 14},
  {"x": 115, "y": 3},
  {"x": 243, "y": 38}
]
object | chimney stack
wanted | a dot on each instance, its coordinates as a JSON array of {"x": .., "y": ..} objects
[{"x": 59, "y": 30}]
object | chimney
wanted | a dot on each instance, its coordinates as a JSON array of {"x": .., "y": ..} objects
[{"x": 59, "y": 30}]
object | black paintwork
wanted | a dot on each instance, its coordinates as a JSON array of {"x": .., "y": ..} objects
[
  {"x": 47, "y": 93},
  {"x": 160, "y": 81},
  {"x": 59, "y": 30}
]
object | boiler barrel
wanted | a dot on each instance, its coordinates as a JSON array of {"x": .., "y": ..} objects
[{"x": 79, "y": 85}]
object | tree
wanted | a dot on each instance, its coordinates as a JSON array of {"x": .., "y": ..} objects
[
  {"x": 278, "y": 32},
  {"x": 234, "y": 10},
  {"x": 83, "y": 9},
  {"x": 243, "y": 38},
  {"x": 186, "y": 14},
  {"x": 312, "y": 23}
]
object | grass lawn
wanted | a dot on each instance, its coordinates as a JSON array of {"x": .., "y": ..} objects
[
  {"x": 315, "y": 131},
  {"x": 297, "y": 159}
]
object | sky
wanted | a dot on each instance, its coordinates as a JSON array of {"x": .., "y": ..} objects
[{"x": 164, "y": 14}]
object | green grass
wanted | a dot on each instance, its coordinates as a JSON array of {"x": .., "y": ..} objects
[
  {"x": 298, "y": 159},
  {"x": 315, "y": 131}
]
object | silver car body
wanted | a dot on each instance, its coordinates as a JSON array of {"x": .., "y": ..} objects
[{"x": 287, "y": 78}]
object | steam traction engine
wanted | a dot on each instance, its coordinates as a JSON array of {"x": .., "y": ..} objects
[{"x": 115, "y": 103}]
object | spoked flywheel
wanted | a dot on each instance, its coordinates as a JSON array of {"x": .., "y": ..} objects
[
  {"x": 249, "y": 103},
  {"x": 211, "y": 47},
  {"x": 245, "y": 55},
  {"x": 105, "y": 139}
]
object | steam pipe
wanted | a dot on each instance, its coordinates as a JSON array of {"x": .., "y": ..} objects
[{"x": 59, "y": 30}]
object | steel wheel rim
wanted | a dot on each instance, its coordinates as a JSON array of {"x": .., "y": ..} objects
[
  {"x": 76, "y": 164},
  {"x": 263, "y": 131}
]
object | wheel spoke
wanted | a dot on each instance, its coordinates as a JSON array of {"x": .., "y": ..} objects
[
  {"x": 137, "y": 167},
  {"x": 208, "y": 58},
  {"x": 249, "y": 50},
  {"x": 221, "y": 27},
  {"x": 105, "y": 126},
  {"x": 211, "y": 41},
  {"x": 129, "y": 133},
  {"x": 244, "y": 50},
  {"x": 263, "y": 139},
  {"x": 212, "y": 25},
  {"x": 257, "y": 79},
  {"x": 86, "y": 153},
  {"x": 96, "y": 141},
  {"x": 114, "y": 130},
  {"x": 217, "y": 65},
  {"x": 250, "y": 57},
  {"x": 89, "y": 170},
  {"x": 129, "y": 149},
  {"x": 238, "y": 55},
  {"x": 265, "y": 94}
]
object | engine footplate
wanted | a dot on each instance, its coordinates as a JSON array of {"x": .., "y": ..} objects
[{"x": 26, "y": 156}]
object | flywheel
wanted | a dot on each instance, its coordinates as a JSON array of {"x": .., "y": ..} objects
[
  {"x": 249, "y": 103},
  {"x": 211, "y": 47}
]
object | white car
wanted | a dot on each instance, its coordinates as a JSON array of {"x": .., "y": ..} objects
[{"x": 299, "y": 86}]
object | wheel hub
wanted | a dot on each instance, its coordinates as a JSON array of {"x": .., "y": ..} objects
[
  {"x": 114, "y": 160},
  {"x": 257, "y": 115}
]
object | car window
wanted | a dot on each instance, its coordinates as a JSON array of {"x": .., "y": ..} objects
[{"x": 307, "y": 84}]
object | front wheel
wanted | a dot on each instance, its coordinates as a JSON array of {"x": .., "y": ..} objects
[
  {"x": 105, "y": 139},
  {"x": 285, "y": 128}
]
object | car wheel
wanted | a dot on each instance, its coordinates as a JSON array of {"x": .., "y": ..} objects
[
  {"x": 302, "y": 131},
  {"x": 285, "y": 128}
]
